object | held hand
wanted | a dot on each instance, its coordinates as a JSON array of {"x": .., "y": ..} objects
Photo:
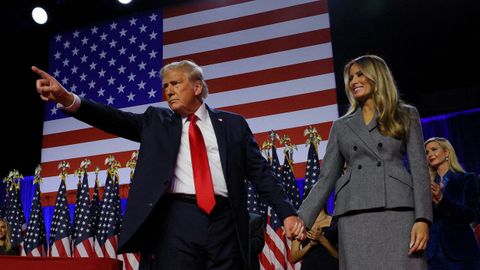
[
  {"x": 418, "y": 237},
  {"x": 314, "y": 234},
  {"x": 294, "y": 227},
  {"x": 51, "y": 90}
]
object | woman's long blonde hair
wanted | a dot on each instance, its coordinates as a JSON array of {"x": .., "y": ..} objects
[
  {"x": 8, "y": 235},
  {"x": 453, "y": 163},
  {"x": 393, "y": 118}
]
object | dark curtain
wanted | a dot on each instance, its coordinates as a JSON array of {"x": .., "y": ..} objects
[{"x": 462, "y": 129}]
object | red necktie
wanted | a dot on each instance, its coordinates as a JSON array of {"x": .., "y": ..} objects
[{"x": 201, "y": 169}]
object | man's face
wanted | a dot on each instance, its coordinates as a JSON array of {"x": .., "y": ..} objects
[{"x": 183, "y": 96}]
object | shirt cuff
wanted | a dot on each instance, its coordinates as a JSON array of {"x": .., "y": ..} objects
[{"x": 72, "y": 107}]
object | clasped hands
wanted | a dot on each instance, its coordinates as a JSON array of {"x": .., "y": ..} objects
[{"x": 294, "y": 228}]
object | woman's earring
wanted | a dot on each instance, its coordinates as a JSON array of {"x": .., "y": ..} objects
[{"x": 446, "y": 158}]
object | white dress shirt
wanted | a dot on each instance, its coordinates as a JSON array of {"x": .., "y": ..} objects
[{"x": 182, "y": 181}]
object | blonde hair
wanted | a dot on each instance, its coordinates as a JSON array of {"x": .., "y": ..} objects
[
  {"x": 8, "y": 235},
  {"x": 195, "y": 73},
  {"x": 453, "y": 163},
  {"x": 393, "y": 119}
]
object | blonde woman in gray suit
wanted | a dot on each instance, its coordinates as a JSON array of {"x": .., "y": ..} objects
[{"x": 383, "y": 205}]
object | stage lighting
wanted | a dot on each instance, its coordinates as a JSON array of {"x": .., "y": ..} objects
[{"x": 39, "y": 15}]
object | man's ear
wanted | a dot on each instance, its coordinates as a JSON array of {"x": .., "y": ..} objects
[{"x": 198, "y": 87}]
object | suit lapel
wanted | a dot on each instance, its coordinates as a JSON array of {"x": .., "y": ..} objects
[
  {"x": 356, "y": 124},
  {"x": 219, "y": 128},
  {"x": 173, "y": 123}
]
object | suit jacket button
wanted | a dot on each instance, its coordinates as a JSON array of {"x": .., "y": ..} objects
[
  {"x": 380, "y": 144},
  {"x": 355, "y": 148},
  {"x": 379, "y": 164},
  {"x": 150, "y": 204},
  {"x": 359, "y": 167}
]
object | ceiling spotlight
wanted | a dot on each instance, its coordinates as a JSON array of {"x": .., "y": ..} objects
[
  {"x": 39, "y": 15},
  {"x": 124, "y": 1}
]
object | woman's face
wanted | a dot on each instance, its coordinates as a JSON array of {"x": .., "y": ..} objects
[
  {"x": 3, "y": 230},
  {"x": 359, "y": 85},
  {"x": 436, "y": 155}
]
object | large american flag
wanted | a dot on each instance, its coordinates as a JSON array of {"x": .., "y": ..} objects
[{"x": 269, "y": 60}]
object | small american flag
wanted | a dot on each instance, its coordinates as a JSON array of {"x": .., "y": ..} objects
[
  {"x": 313, "y": 170},
  {"x": 275, "y": 252},
  {"x": 95, "y": 209},
  {"x": 35, "y": 240},
  {"x": 255, "y": 204},
  {"x": 82, "y": 231},
  {"x": 109, "y": 221},
  {"x": 290, "y": 184},
  {"x": 14, "y": 211},
  {"x": 61, "y": 229}
]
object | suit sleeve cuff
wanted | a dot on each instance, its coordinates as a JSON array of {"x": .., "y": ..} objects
[{"x": 72, "y": 107}]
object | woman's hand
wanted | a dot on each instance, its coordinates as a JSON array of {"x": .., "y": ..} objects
[
  {"x": 437, "y": 193},
  {"x": 418, "y": 237}
]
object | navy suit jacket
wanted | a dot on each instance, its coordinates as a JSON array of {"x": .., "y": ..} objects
[
  {"x": 452, "y": 217},
  {"x": 159, "y": 130}
]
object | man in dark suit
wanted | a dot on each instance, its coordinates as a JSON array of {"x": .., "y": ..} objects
[{"x": 177, "y": 216}]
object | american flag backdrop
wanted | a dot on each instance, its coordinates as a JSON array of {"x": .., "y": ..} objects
[{"x": 269, "y": 60}]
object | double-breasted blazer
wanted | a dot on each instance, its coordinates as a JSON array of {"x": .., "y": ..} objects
[
  {"x": 451, "y": 228},
  {"x": 159, "y": 130},
  {"x": 375, "y": 176}
]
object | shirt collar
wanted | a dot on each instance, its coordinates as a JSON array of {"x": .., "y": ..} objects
[{"x": 201, "y": 113}]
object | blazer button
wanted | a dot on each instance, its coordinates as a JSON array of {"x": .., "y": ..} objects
[
  {"x": 359, "y": 167},
  {"x": 380, "y": 144},
  {"x": 355, "y": 148},
  {"x": 379, "y": 164},
  {"x": 150, "y": 204}
]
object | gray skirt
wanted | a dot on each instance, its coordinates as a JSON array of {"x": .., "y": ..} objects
[{"x": 370, "y": 240}]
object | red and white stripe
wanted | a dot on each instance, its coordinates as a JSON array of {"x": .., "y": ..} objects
[
  {"x": 61, "y": 248},
  {"x": 107, "y": 250},
  {"x": 36, "y": 252},
  {"x": 84, "y": 249},
  {"x": 131, "y": 261},
  {"x": 276, "y": 250}
]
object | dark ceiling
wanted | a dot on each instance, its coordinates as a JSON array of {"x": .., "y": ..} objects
[{"x": 432, "y": 47}]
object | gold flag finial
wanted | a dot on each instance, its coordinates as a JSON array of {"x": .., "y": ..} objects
[
  {"x": 312, "y": 137},
  {"x": 289, "y": 147},
  {"x": 113, "y": 166},
  {"x": 63, "y": 166},
  {"x": 37, "y": 178},
  {"x": 13, "y": 180},
  {"x": 131, "y": 163}
]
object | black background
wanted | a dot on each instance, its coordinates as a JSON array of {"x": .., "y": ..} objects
[{"x": 432, "y": 47}]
